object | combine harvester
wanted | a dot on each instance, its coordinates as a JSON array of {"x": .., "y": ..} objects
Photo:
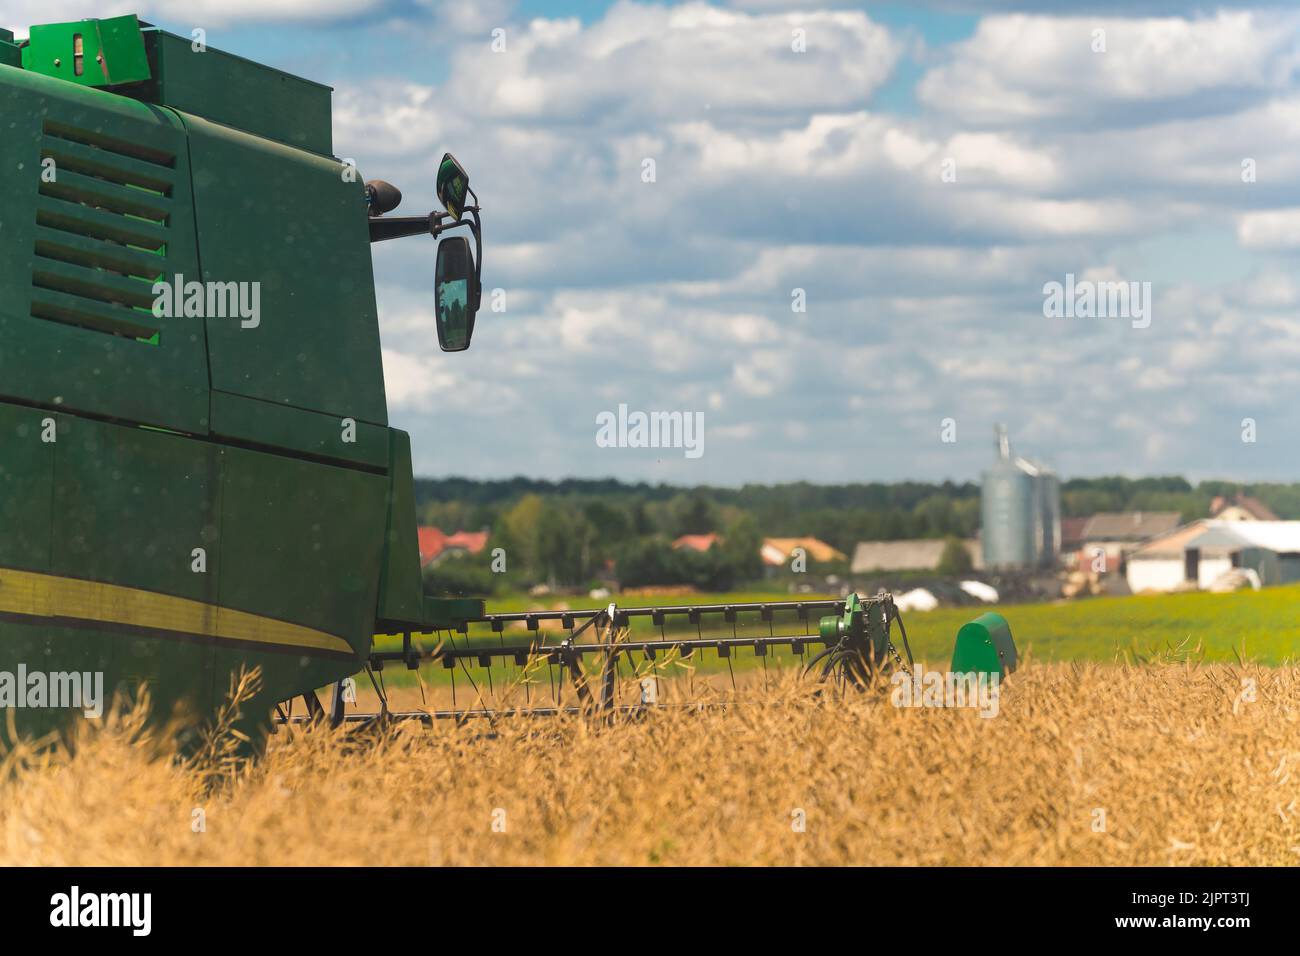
[{"x": 197, "y": 474}]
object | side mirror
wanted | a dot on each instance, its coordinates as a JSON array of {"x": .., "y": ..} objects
[
  {"x": 453, "y": 184},
  {"x": 456, "y": 293}
]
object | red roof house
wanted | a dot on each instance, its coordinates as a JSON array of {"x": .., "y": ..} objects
[
  {"x": 434, "y": 544},
  {"x": 696, "y": 542}
]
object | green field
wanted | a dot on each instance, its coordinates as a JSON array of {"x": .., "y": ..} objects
[
  {"x": 1261, "y": 626},
  {"x": 1253, "y": 625}
]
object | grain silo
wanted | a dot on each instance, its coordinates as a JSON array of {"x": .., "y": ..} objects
[{"x": 1020, "y": 509}]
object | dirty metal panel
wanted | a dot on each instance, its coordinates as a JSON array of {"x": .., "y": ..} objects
[
  {"x": 97, "y": 209},
  {"x": 290, "y": 221}
]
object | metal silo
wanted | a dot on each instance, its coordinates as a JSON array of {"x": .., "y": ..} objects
[
  {"x": 1020, "y": 509},
  {"x": 1050, "y": 487}
]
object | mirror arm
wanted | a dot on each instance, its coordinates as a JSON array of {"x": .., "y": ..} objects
[
  {"x": 477, "y": 228},
  {"x": 399, "y": 227},
  {"x": 439, "y": 227}
]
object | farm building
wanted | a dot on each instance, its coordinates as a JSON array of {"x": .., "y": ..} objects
[
  {"x": 921, "y": 554},
  {"x": 1240, "y": 508},
  {"x": 1073, "y": 531},
  {"x": 436, "y": 545},
  {"x": 1112, "y": 534},
  {"x": 776, "y": 551},
  {"x": 1197, "y": 554},
  {"x": 697, "y": 542}
]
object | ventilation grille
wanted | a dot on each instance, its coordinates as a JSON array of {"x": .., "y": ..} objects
[{"x": 102, "y": 222}]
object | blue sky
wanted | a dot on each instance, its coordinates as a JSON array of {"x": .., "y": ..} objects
[{"x": 920, "y": 171}]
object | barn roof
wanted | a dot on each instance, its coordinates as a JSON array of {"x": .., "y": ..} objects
[
  {"x": 1129, "y": 525},
  {"x": 815, "y": 548},
  {"x": 918, "y": 554}
]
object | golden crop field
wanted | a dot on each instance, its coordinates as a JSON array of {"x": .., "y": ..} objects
[{"x": 1084, "y": 763}]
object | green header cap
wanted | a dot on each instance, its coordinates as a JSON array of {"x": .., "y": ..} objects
[
  {"x": 89, "y": 52},
  {"x": 984, "y": 645}
]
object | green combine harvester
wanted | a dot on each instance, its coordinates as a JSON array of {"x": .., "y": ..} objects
[{"x": 197, "y": 474}]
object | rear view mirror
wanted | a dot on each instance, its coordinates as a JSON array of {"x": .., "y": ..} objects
[
  {"x": 453, "y": 184},
  {"x": 456, "y": 292}
]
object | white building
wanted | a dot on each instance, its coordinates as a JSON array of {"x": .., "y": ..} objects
[{"x": 1195, "y": 555}]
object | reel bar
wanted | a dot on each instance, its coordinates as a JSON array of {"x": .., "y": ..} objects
[
  {"x": 766, "y": 609},
  {"x": 603, "y": 621},
  {"x": 555, "y": 653}
]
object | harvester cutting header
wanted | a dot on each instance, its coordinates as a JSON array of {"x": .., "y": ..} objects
[{"x": 189, "y": 490}]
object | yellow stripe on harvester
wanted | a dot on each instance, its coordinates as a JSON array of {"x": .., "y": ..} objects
[{"x": 48, "y": 595}]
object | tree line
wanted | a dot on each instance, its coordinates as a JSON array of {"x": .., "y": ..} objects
[{"x": 579, "y": 532}]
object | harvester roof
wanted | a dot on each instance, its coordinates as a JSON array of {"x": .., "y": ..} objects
[{"x": 128, "y": 56}]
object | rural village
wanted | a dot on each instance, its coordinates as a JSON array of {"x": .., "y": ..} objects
[{"x": 1023, "y": 549}]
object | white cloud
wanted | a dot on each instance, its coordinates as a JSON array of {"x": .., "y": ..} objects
[
  {"x": 762, "y": 373},
  {"x": 674, "y": 63},
  {"x": 468, "y": 19},
  {"x": 1020, "y": 68},
  {"x": 1270, "y": 229},
  {"x": 409, "y": 381},
  {"x": 388, "y": 118}
]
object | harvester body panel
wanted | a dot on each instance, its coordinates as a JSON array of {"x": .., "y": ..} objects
[
  {"x": 97, "y": 208},
  {"x": 183, "y": 495},
  {"x": 289, "y": 219}
]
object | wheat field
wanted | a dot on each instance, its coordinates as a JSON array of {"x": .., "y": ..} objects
[{"x": 1173, "y": 763}]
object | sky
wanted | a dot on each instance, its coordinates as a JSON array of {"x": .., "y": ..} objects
[{"x": 844, "y": 256}]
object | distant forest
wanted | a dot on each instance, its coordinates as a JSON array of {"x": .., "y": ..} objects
[{"x": 566, "y": 532}]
